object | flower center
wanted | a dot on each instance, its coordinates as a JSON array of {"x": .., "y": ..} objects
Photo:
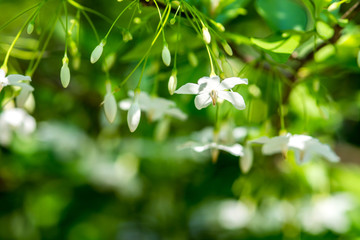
[{"x": 213, "y": 95}]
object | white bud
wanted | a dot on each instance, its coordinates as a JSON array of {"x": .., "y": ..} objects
[
  {"x": 30, "y": 27},
  {"x": 333, "y": 6},
  {"x": 65, "y": 74},
  {"x": 96, "y": 54},
  {"x": 134, "y": 114},
  {"x": 172, "y": 83},
  {"x": 206, "y": 35},
  {"x": 227, "y": 48},
  {"x": 247, "y": 160},
  {"x": 110, "y": 107},
  {"x": 166, "y": 56}
]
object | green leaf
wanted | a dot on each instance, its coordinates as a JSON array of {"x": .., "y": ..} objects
[
  {"x": 324, "y": 30},
  {"x": 277, "y": 47},
  {"x": 283, "y": 14}
]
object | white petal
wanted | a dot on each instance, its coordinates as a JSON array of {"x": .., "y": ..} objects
[
  {"x": 2, "y": 73},
  {"x": 229, "y": 83},
  {"x": 201, "y": 148},
  {"x": 125, "y": 104},
  {"x": 177, "y": 113},
  {"x": 234, "y": 98},
  {"x": 236, "y": 149},
  {"x": 15, "y": 78},
  {"x": 276, "y": 145},
  {"x": 299, "y": 141},
  {"x": 317, "y": 148},
  {"x": 110, "y": 107},
  {"x": 202, "y": 100},
  {"x": 206, "y": 84},
  {"x": 133, "y": 116},
  {"x": 189, "y": 88},
  {"x": 247, "y": 160},
  {"x": 22, "y": 97}
]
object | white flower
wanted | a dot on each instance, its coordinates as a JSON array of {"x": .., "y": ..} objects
[
  {"x": 155, "y": 107},
  {"x": 15, "y": 120},
  {"x": 304, "y": 147},
  {"x": 224, "y": 140},
  {"x": 18, "y": 81},
  {"x": 209, "y": 89}
]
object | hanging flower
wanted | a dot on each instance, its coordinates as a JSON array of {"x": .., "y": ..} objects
[
  {"x": 134, "y": 114},
  {"x": 155, "y": 107},
  {"x": 17, "y": 80},
  {"x": 305, "y": 147},
  {"x": 209, "y": 89}
]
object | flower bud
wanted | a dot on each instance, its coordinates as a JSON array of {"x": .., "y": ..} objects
[
  {"x": 227, "y": 48},
  {"x": 96, "y": 54},
  {"x": 246, "y": 161},
  {"x": 333, "y": 6},
  {"x": 166, "y": 56},
  {"x": 226, "y": 67},
  {"x": 358, "y": 59},
  {"x": 110, "y": 107},
  {"x": 65, "y": 73},
  {"x": 172, "y": 83},
  {"x": 30, "y": 27},
  {"x": 127, "y": 36},
  {"x": 206, "y": 35},
  {"x": 134, "y": 114}
]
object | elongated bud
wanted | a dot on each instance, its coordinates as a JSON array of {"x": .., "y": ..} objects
[
  {"x": 166, "y": 56},
  {"x": 206, "y": 35},
  {"x": 30, "y": 27},
  {"x": 358, "y": 59},
  {"x": 96, "y": 54},
  {"x": 246, "y": 161},
  {"x": 110, "y": 107},
  {"x": 227, "y": 48},
  {"x": 172, "y": 82},
  {"x": 65, "y": 73},
  {"x": 334, "y": 6},
  {"x": 134, "y": 114}
]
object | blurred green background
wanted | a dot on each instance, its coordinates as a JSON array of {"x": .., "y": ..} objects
[{"x": 77, "y": 177}]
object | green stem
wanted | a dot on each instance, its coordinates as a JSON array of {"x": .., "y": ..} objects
[
  {"x": 217, "y": 119},
  {"x": 91, "y": 24},
  {"x": 20, "y": 14},
  {"x": 113, "y": 24},
  {"x": 148, "y": 51},
  {"x": 4, "y": 66},
  {"x": 66, "y": 28}
]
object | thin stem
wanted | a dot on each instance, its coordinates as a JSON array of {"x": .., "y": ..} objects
[
  {"x": 113, "y": 24},
  {"x": 34, "y": 67},
  {"x": 212, "y": 73},
  {"x": 142, "y": 72},
  {"x": 217, "y": 119},
  {"x": 167, "y": 10},
  {"x": 91, "y": 24},
  {"x": 83, "y": 8},
  {"x": 20, "y": 14},
  {"x": 66, "y": 28},
  {"x": 4, "y": 66}
]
